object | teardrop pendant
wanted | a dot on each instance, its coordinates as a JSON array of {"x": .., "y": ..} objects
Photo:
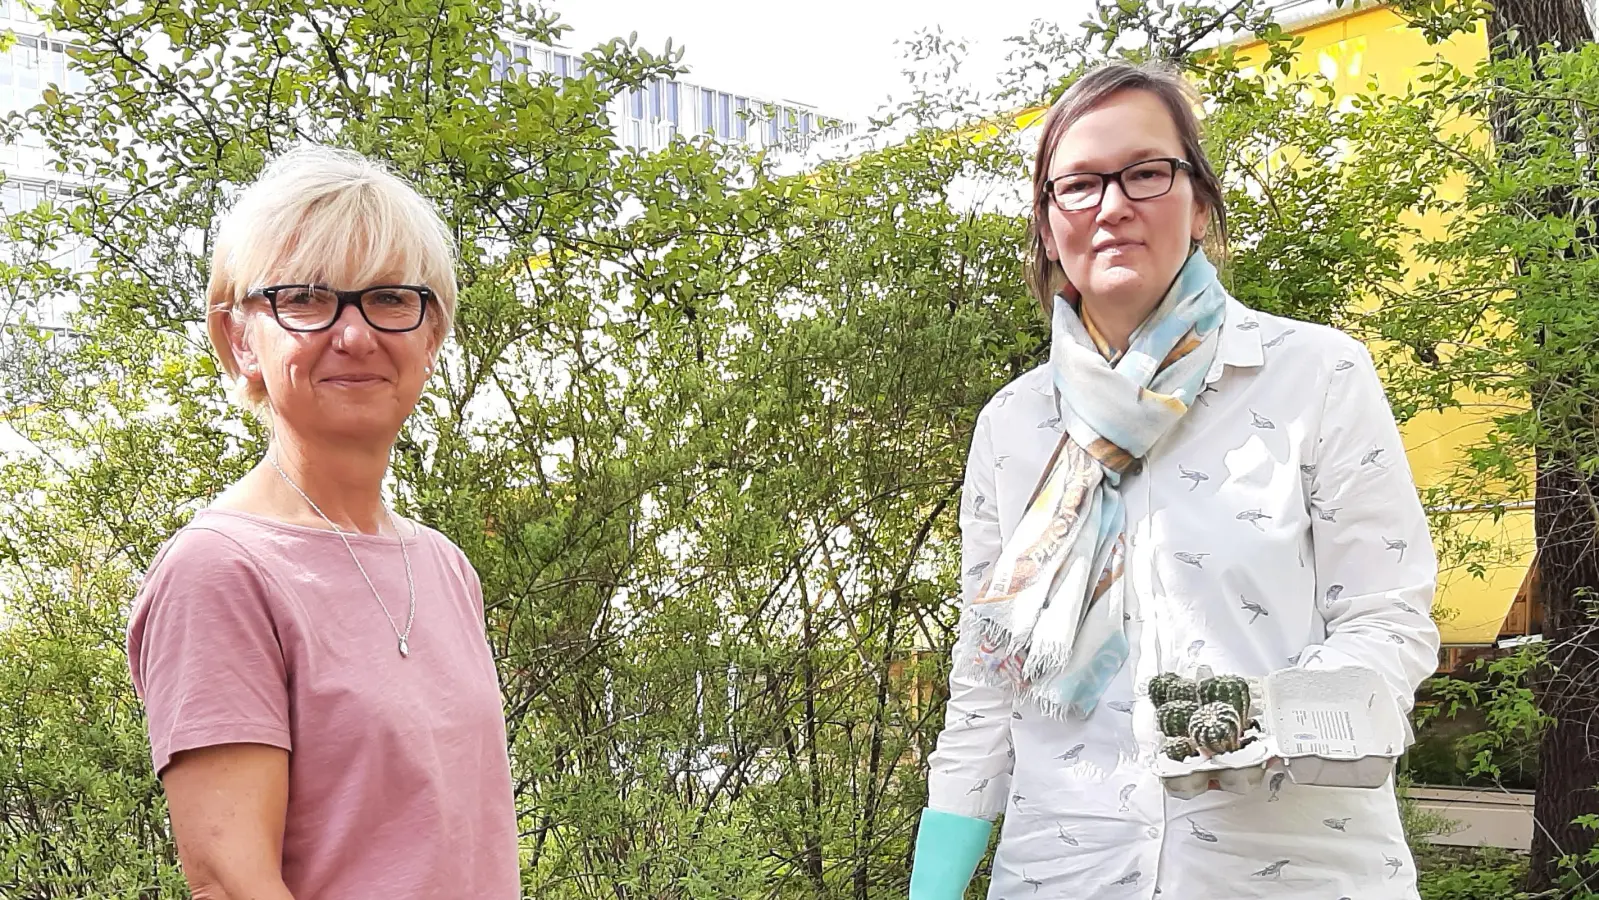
[{"x": 405, "y": 649}]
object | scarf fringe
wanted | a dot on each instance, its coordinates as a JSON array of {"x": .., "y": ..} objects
[{"x": 979, "y": 636}]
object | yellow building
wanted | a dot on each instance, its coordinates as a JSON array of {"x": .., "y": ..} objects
[
  {"x": 1489, "y": 593},
  {"x": 1351, "y": 48}
]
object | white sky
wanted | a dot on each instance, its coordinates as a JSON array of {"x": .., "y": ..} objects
[{"x": 837, "y": 55}]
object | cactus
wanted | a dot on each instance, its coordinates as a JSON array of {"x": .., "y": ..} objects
[
  {"x": 1215, "y": 728},
  {"x": 1228, "y": 689},
  {"x": 1179, "y": 748},
  {"x": 1173, "y": 717},
  {"x": 1170, "y": 686}
]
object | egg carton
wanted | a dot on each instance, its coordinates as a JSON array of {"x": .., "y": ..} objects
[{"x": 1331, "y": 727}]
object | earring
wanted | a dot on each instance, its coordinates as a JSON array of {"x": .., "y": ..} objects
[
  {"x": 427, "y": 369},
  {"x": 250, "y": 368}
]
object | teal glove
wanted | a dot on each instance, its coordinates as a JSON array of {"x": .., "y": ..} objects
[{"x": 948, "y": 849}]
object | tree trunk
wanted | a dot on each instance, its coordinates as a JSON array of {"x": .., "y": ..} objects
[
  {"x": 1568, "y": 758},
  {"x": 1566, "y": 521},
  {"x": 1562, "y": 22}
]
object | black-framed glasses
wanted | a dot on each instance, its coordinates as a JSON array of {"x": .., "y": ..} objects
[
  {"x": 1146, "y": 180},
  {"x": 315, "y": 307}
]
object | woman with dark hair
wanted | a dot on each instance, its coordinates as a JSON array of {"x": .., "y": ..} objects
[{"x": 1187, "y": 482}]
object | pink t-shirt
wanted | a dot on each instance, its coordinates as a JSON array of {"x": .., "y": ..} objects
[{"x": 249, "y": 630}]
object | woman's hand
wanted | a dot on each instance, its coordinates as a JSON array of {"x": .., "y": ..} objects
[{"x": 228, "y": 805}]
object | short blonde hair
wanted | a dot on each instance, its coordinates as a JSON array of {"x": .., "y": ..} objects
[{"x": 325, "y": 215}]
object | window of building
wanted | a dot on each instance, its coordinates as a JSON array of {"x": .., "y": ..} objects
[
  {"x": 519, "y": 56},
  {"x": 741, "y": 118},
  {"x": 638, "y": 102},
  {"x": 673, "y": 114},
  {"x": 21, "y": 12},
  {"x": 707, "y": 110},
  {"x": 563, "y": 65},
  {"x": 25, "y": 56},
  {"x": 724, "y": 119}
]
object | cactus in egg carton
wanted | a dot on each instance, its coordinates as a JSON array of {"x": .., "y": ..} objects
[
  {"x": 1169, "y": 686},
  {"x": 1179, "y": 748},
  {"x": 1216, "y": 728},
  {"x": 1173, "y": 717},
  {"x": 1229, "y": 689}
]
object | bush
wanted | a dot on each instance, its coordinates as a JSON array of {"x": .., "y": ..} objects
[{"x": 1465, "y": 874}]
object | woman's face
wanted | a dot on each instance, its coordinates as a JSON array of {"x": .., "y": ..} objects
[
  {"x": 349, "y": 381},
  {"x": 1123, "y": 251}
]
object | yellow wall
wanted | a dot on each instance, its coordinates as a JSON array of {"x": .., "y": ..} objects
[{"x": 1351, "y": 49}]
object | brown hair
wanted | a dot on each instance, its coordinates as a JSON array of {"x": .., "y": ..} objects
[{"x": 1045, "y": 277}]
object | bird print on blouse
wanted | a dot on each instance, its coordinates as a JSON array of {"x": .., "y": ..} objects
[
  {"x": 1089, "y": 819},
  {"x": 1400, "y": 545},
  {"x": 1275, "y": 870},
  {"x": 1202, "y": 834},
  {"x": 1253, "y": 517},
  {"x": 1255, "y": 608}
]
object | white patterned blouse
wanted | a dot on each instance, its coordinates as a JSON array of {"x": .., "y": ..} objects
[{"x": 1276, "y": 525}]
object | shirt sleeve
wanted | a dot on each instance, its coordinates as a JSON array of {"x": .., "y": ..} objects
[
  {"x": 1375, "y": 567},
  {"x": 969, "y": 773},
  {"x": 203, "y": 650}
]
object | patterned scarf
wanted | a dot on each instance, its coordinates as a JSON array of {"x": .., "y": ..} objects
[{"x": 1048, "y": 620}]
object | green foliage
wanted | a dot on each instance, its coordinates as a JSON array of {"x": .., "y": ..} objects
[
  {"x": 1507, "y": 724},
  {"x": 702, "y": 425},
  {"x": 1485, "y": 874}
]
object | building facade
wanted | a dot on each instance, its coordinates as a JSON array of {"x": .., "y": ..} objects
[{"x": 647, "y": 118}]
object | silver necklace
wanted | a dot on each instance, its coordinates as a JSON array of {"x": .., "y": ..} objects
[{"x": 410, "y": 583}]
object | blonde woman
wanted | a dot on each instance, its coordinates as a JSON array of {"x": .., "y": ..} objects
[
  {"x": 1188, "y": 482},
  {"x": 323, "y": 708}
]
